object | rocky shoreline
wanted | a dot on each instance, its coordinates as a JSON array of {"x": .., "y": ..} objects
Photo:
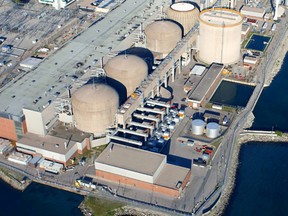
[{"x": 12, "y": 179}]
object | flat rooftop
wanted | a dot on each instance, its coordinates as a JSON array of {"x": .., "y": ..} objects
[
  {"x": 55, "y": 72},
  {"x": 220, "y": 16},
  {"x": 66, "y": 132},
  {"x": 167, "y": 180},
  {"x": 130, "y": 158},
  {"x": 46, "y": 143},
  {"x": 204, "y": 85},
  {"x": 252, "y": 9}
]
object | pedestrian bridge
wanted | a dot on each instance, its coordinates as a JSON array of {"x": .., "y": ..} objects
[{"x": 258, "y": 133}]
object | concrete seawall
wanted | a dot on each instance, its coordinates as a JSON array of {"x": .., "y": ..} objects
[{"x": 243, "y": 139}]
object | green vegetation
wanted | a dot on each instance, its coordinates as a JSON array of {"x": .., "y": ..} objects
[
  {"x": 279, "y": 133},
  {"x": 102, "y": 206},
  {"x": 99, "y": 149},
  {"x": 228, "y": 109},
  {"x": 208, "y": 105},
  {"x": 244, "y": 43},
  {"x": 217, "y": 143}
]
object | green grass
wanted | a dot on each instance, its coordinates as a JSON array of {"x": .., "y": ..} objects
[
  {"x": 102, "y": 207},
  {"x": 208, "y": 105},
  {"x": 228, "y": 109},
  {"x": 217, "y": 143}
]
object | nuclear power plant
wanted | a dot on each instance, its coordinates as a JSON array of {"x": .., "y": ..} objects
[{"x": 136, "y": 88}]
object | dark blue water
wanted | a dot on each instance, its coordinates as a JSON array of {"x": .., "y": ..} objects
[
  {"x": 38, "y": 200},
  {"x": 262, "y": 181},
  {"x": 271, "y": 110},
  {"x": 234, "y": 94},
  {"x": 262, "y": 178},
  {"x": 258, "y": 42}
]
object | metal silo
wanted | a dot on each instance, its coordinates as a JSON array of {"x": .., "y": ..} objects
[
  {"x": 220, "y": 35},
  {"x": 212, "y": 130},
  {"x": 198, "y": 126},
  {"x": 185, "y": 13},
  {"x": 162, "y": 36},
  {"x": 94, "y": 107},
  {"x": 130, "y": 70}
]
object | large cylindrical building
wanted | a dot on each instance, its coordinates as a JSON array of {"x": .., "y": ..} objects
[
  {"x": 220, "y": 36},
  {"x": 129, "y": 70},
  {"x": 94, "y": 107},
  {"x": 162, "y": 36},
  {"x": 185, "y": 13}
]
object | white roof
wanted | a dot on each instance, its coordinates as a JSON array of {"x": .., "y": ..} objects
[
  {"x": 30, "y": 62},
  {"x": 198, "y": 70}
]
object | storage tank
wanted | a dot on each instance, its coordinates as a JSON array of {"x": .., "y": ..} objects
[
  {"x": 162, "y": 36},
  {"x": 94, "y": 107},
  {"x": 198, "y": 126},
  {"x": 185, "y": 13},
  {"x": 129, "y": 70},
  {"x": 212, "y": 130},
  {"x": 220, "y": 36}
]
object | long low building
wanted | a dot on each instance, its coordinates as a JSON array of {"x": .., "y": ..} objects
[
  {"x": 205, "y": 87},
  {"x": 60, "y": 145},
  {"x": 258, "y": 13},
  {"x": 142, "y": 169}
]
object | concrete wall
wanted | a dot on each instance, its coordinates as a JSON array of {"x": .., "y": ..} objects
[
  {"x": 220, "y": 44},
  {"x": 122, "y": 180},
  {"x": 123, "y": 172},
  {"x": 34, "y": 122}
]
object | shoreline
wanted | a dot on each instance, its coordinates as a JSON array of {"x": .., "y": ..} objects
[
  {"x": 222, "y": 203},
  {"x": 8, "y": 177}
]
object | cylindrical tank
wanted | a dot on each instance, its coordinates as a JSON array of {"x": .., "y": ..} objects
[
  {"x": 220, "y": 35},
  {"x": 212, "y": 130},
  {"x": 198, "y": 126},
  {"x": 162, "y": 36},
  {"x": 185, "y": 13},
  {"x": 94, "y": 107},
  {"x": 129, "y": 70}
]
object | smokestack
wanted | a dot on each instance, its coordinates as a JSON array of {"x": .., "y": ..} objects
[{"x": 276, "y": 9}]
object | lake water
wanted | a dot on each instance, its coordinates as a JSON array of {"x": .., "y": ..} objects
[
  {"x": 38, "y": 200},
  {"x": 262, "y": 180}
]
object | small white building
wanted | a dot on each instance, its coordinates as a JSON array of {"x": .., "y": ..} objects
[
  {"x": 57, "y": 4},
  {"x": 51, "y": 166},
  {"x": 19, "y": 158},
  {"x": 250, "y": 60}
]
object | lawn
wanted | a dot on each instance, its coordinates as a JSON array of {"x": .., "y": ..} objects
[{"x": 102, "y": 206}]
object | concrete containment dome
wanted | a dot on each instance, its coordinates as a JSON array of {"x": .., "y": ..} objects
[
  {"x": 94, "y": 107},
  {"x": 185, "y": 13},
  {"x": 162, "y": 36},
  {"x": 198, "y": 126},
  {"x": 220, "y": 36},
  {"x": 129, "y": 70}
]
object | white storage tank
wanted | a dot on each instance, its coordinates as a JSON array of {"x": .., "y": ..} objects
[
  {"x": 212, "y": 130},
  {"x": 185, "y": 13},
  {"x": 220, "y": 36},
  {"x": 198, "y": 126}
]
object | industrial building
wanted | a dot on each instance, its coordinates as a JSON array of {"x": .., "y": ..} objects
[
  {"x": 134, "y": 167},
  {"x": 185, "y": 13},
  {"x": 125, "y": 73},
  {"x": 220, "y": 36},
  {"x": 252, "y": 12},
  {"x": 94, "y": 107},
  {"x": 205, "y": 87},
  {"x": 57, "y": 4},
  {"x": 162, "y": 37}
]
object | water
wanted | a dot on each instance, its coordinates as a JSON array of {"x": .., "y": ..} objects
[
  {"x": 234, "y": 94},
  {"x": 258, "y": 42},
  {"x": 38, "y": 200},
  {"x": 262, "y": 181}
]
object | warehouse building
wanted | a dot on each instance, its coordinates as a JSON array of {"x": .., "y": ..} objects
[
  {"x": 206, "y": 87},
  {"x": 142, "y": 169},
  {"x": 251, "y": 12}
]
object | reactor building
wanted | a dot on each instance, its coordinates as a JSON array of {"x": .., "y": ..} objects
[
  {"x": 220, "y": 36},
  {"x": 162, "y": 36},
  {"x": 125, "y": 73},
  {"x": 184, "y": 13},
  {"x": 94, "y": 108}
]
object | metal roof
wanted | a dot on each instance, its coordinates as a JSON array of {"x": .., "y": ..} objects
[
  {"x": 129, "y": 158},
  {"x": 54, "y": 73}
]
